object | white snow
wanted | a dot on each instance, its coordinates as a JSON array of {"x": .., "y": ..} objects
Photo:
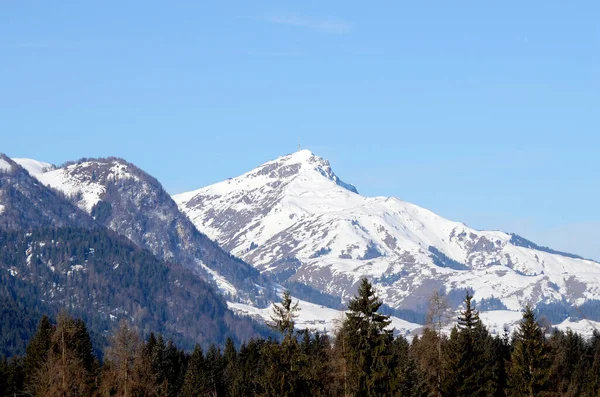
[
  {"x": 315, "y": 317},
  {"x": 224, "y": 286},
  {"x": 5, "y": 165},
  {"x": 77, "y": 184},
  {"x": 34, "y": 167},
  {"x": 293, "y": 207},
  {"x": 583, "y": 327},
  {"x": 62, "y": 180},
  {"x": 497, "y": 320}
]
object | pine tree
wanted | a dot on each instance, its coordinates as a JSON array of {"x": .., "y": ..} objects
[
  {"x": 284, "y": 315},
  {"x": 37, "y": 350},
  {"x": 250, "y": 377},
  {"x": 467, "y": 371},
  {"x": 282, "y": 373},
  {"x": 428, "y": 354},
  {"x": 405, "y": 374},
  {"x": 214, "y": 372},
  {"x": 69, "y": 365},
  {"x": 84, "y": 351},
  {"x": 194, "y": 384},
  {"x": 569, "y": 362},
  {"x": 528, "y": 372},
  {"x": 312, "y": 361},
  {"x": 367, "y": 344},
  {"x": 498, "y": 354},
  {"x": 593, "y": 372},
  {"x": 230, "y": 365}
]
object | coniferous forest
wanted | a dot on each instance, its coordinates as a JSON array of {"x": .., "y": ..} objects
[{"x": 363, "y": 358}]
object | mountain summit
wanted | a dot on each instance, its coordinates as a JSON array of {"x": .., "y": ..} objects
[
  {"x": 294, "y": 219},
  {"x": 248, "y": 210}
]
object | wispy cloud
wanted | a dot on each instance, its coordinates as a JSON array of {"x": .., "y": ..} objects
[{"x": 324, "y": 25}]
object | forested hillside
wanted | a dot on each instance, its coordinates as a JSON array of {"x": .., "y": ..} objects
[
  {"x": 127, "y": 200},
  {"x": 54, "y": 256},
  {"x": 364, "y": 359},
  {"x": 103, "y": 277}
]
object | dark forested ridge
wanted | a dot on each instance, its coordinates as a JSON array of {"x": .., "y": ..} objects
[
  {"x": 103, "y": 277},
  {"x": 52, "y": 256},
  {"x": 363, "y": 359}
]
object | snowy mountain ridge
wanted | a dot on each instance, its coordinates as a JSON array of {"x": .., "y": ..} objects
[
  {"x": 293, "y": 218},
  {"x": 133, "y": 204}
]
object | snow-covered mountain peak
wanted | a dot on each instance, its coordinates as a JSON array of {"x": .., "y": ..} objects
[
  {"x": 301, "y": 169},
  {"x": 293, "y": 219},
  {"x": 276, "y": 194}
]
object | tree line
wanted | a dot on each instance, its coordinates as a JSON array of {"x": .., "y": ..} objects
[{"x": 363, "y": 358}]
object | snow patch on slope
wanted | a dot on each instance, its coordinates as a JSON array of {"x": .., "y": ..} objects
[
  {"x": 5, "y": 165},
  {"x": 74, "y": 182},
  {"x": 90, "y": 193},
  {"x": 34, "y": 167},
  {"x": 224, "y": 286},
  {"x": 583, "y": 327},
  {"x": 315, "y": 317}
]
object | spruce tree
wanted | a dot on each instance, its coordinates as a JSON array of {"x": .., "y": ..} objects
[
  {"x": 64, "y": 372},
  {"x": 214, "y": 371},
  {"x": 405, "y": 374},
  {"x": 428, "y": 353},
  {"x": 529, "y": 372},
  {"x": 498, "y": 355},
  {"x": 282, "y": 376},
  {"x": 229, "y": 365},
  {"x": 367, "y": 344},
  {"x": 284, "y": 315},
  {"x": 194, "y": 384},
  {"x": 569, "y": 362},
  {"x": 37, "y": 349},
  {"x": 468, "y": 371},
  {"x": 593, "y": 372}
]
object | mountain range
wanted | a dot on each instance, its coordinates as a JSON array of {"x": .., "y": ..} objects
[
  {"x": 294, "y": 219},
  {"x": 290, "y": 223}
]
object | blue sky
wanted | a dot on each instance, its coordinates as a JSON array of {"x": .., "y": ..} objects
[{"x": 484, "y": 113}]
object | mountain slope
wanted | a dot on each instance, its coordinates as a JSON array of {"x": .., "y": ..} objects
[
  {"x": 129, "y": 201},
  {"x": 26, "y": 203},
  {"x": 295, "y": 219},
  {"x": 54, "y": 256}
]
